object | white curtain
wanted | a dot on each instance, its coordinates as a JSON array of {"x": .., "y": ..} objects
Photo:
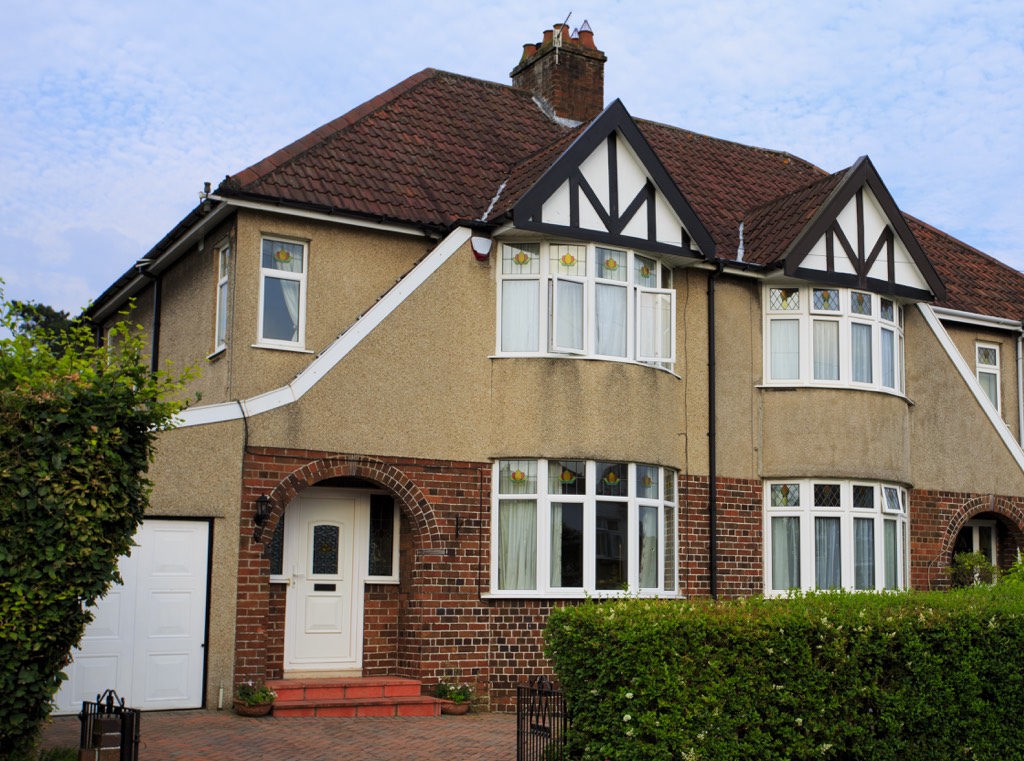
[
  {"x": 517, "y": 544},
  {"x": 860, "y": 348},
  {"x": 826, "y": 350},
  {"x": 785, "y": 553},
  {"x": 890, "y": 554},
  {"x": 827, "y": 554},
  {"x": 290, "y": 292},
  {"x": 568, "y": 315},
  {"x": 888, "y": 349},
  {"x": 648, "y": 548},
  {"x": 556, "y": 545},
  {"x": 785, "y": 348},
  {"x": 864, "y": 553},
  {"x": 519, "y": 325},
  {"x": 610, "y": 320}
]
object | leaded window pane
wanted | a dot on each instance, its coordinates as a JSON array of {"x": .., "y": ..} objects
[
  {"x": 276, "y": 549},
  {"x": 612, "y": 479},
  {"x": 670, "y": 548},
  {"x": 647, "y": 481},
  {"x": 382, "y": 535},
  {"x": 886, "y": 309},
  {"x": 785, "y": 495},
  {"x": 864, "y": 497},
  {"x": 892, "y": 500},
  {"x": 611, "y": 264},
  {"x": 860, "y": 303},
  {"x": 325, "y": 549},
  {"x": 566, "y": 544},
  {"x": 645, "y": 271},
  {"x": 784, "y": 299},
  {"x": 827, "y": 495},
  {"x": 520, "y": 259},
  {"x": 988, "y": 355},
  {"x": 670, "y": 486},
  {"x": 567, "y": 477},
  {"x": 611, "y": 539},
  {"x": 826, "y": 299},
  {"x": 282, "y": 256},
  {"x": 568, "y": 260},
  {"x": 517, "y": 477}
]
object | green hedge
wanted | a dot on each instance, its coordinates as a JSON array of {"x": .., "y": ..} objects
[{"x": 851, "y": 676}]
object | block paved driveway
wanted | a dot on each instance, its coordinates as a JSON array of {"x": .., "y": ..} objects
[{"x": 223, "y": 736}]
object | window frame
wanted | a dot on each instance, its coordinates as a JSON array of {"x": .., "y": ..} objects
[
  {"x": 778, "y": 309},
  {"x": 265, "y": 273},
  {"x": 548, "y": 275},
  {"x": 542, "y": 498},
  {"x": 986, "y": 369},
  {"x": 222, "y": 297},
  {"x": 889, "y": 506}
]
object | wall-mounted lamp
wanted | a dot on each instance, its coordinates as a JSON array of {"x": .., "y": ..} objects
[
  {"x": 262, "y": 510},
  {"x": 481, "y": 247}
]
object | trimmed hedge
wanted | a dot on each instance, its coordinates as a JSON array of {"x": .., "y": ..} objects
[{"x": 851, "y": 676}]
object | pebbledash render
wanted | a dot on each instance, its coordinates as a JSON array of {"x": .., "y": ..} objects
[{"x": 473, "y": 351}]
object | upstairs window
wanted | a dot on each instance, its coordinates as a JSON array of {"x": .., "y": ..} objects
[
  {"x": 987, "y": 368},
  {"x": 585, "y": 300},
  {"x": 223, "y": 270},
  {"x": 833, "y": 337},
  {"x": 282, "y": 293}
]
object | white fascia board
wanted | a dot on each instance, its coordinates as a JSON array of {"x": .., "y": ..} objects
[
  {"x": 973, "y": 318},
  {"x": 337, "y": 219},
  {"x": 337, "y": 351},
  {"x": 972, "y": 383}
]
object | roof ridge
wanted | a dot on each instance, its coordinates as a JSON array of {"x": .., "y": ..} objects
[
  {"x": 324, "y": 132},
  {"x": 750, "y": 213},
  {"x": 784, "y": 154}
]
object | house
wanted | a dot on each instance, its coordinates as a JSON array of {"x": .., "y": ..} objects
[{"x": 472, "y": 351}]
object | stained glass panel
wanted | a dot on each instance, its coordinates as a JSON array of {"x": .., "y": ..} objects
[
  {"x": 826, "y": 495},
  {"x": 670, "y": 486},
  {"x": 645, "y": 271},
  {"x": 826, "y": 299},
  {"x": 864, "y": 497},
  {"x": 892, "y": 500},
  {"x": 785, "y": 495},
  {"x": 520, "y": 259},
  {"x": 612, "y": 479},
  {"x": 611, "y": 264},
  {"x": 646, "y": 481},
  {"x": 281, "y": 255},
  {"x": 276, "y": 550},
  {"x": 567, "y": 477},
  {"x": 382, "y": 535},
  {"x": 325, "y": 549},
  {"x": 784, "y": 299},
  {"x": 568, "y": 260},
  {"x": 988, "y": 355},
  {"x": 860, "y": 303},
  {"x": 517, "y": 477},
  {"x": 886, "y": 309}
]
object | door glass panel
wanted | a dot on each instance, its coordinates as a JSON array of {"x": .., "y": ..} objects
[
  {"x": 382, "y": 535},
  {"x": 277, "y": 550},
  {"x": 325, "y": 549}
]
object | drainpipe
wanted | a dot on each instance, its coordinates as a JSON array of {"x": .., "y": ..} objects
[
  {"x": 155, "y": 340},
  {"x": 712, "y": 438}
]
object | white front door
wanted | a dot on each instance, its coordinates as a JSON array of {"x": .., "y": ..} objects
[
  {"x": 148, "y": 636},
  {"x": 323, "y": 620}
]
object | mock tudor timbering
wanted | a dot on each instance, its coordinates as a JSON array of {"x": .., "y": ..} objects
[{"x": 683, "y": 367}]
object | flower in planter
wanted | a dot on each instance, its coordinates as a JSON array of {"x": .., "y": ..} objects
[
  {"x": 254, "y": 693},
  {"x": 456, "y": 693}
]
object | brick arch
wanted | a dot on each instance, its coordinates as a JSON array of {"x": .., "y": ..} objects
[
  {"x": 1012, "y": 512},
  {"x": 414, "y": 503}
]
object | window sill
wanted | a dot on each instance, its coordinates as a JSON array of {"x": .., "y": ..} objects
[
  {"x": 838, "y": 387},
  {"x": 587, "y": 358},
  {"x": 277, "y": 347},
  {"x": 580, "y": 595},
  {"x": 217, "y": 354}
]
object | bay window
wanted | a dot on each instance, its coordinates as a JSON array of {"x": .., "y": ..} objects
[
  {"x": 835, "y": 535},
  {"x": 568, "y": 528},
  {"x": 586, "y": 300},
  {"x": 833, "y": 337},
  {"x": 282, "y": 315}
]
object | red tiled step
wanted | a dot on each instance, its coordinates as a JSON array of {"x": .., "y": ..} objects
[
  {"x": 357, "y": 696},
  {"x": 354, "y": 707}
]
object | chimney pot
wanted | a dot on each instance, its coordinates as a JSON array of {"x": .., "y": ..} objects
[
  {"x": 528, "y": 50},
  {"x": 548, "y": 35},
  {"x": 586, "y": 38}
]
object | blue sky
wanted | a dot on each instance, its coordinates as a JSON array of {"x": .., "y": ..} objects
[{"x": 117, "y": 112}]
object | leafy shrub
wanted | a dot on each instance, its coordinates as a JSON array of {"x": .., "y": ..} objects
[
  {"x": 894, "y": 676},
  {"x": 254, "y": 693},
  {"x": 970, "y": 568},
  {"x": 77, "y": 427}
]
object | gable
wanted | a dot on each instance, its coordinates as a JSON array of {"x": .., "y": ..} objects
[
  {"x": 610, "y": 187},
  {"x": 860, "y": 239}
]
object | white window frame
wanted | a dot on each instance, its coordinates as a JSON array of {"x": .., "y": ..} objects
[
  {"x": 220, "y": 329},
  {"x": 667, "y": 583},
  {"x": 889, "y": 507},
  {"x": 974, "y": 526},
  {"x": 540, "y": 270},
  {"x": 981, "y": 369},
  {"x": 300, "y": 277},
  {"x": 801, "y": 310}
]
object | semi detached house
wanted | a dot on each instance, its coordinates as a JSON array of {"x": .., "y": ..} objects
[{"x": 472, "y": 351}]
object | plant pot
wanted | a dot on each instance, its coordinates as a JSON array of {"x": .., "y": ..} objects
[
  {"x": 259, "y": 709},
  {"x": 454, "y": 709}
]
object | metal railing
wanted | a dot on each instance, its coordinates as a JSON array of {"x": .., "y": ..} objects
[
  {"x": 110, "y": 732},
  {"x": 541, "y": 721}
]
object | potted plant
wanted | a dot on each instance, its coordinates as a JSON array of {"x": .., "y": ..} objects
[
  {"x": 457, "y": 697},
  {"x": 254, "y": 699}
]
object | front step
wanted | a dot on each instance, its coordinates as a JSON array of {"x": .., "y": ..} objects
[{"x": 358, "y": 696}]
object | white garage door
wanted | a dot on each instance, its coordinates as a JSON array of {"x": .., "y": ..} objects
[{"x": 146, "y": 640}]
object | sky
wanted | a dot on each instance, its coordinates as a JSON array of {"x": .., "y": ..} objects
[{"x": 115, "y": 113}]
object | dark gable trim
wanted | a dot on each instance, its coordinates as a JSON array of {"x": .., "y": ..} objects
[
  {"x": 874, "y": 285},
  {"x": 824, "y": 224},
  {"x": 612, "y": 122}
]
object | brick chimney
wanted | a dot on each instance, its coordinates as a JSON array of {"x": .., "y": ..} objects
[{"x": 566, "y": 72}]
